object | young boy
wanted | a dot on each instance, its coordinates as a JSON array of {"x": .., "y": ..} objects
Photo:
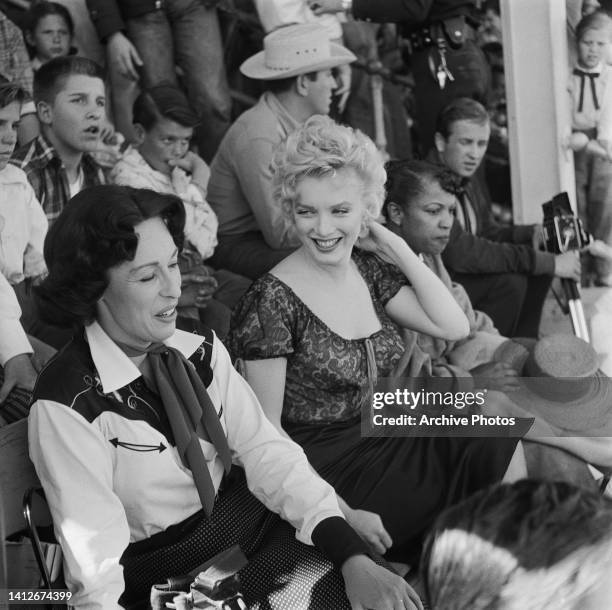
[
  {"x": 591, "y": 96},
  {"x": 23, "y": 226},
  {"x": 70, "y": 101},
  {"x": 164, "y": 124},
  {"x": 49, "y": 32}
]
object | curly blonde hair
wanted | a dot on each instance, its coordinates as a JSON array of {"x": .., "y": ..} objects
[{"x": 319, "y": 148}]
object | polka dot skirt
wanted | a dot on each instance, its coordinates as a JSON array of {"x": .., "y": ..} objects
[{"x": 282, "y": 573}]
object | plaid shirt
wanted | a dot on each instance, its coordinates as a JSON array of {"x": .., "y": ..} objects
[
  {"x": 14, "y": 60},
  {"x": 46, "y": 173}
]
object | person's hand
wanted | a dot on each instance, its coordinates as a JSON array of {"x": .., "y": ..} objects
[
  {"x": 607, "y": 146},
  {"x": 600, "y": 249},
  {"x": 197, "y": 289},
  {"x": 372, "y": 587},
  {"x": 18, "y": 372},
  {"x": 370, "y": 527},
  {"x": 378, "y": 239},
  {"x": 495, "y": 376},
  {"x": 567, "y": 265},
  {"x": 576, "y": 141},
  {"x": 320, "y": 7},
  {"x": 193, "y": 164},
  {"x": 537, "y": 238},
  {"x": 123, "y": 56},
  {"x": 342, "y": 91},
  {"x": 107, "y": 133}
]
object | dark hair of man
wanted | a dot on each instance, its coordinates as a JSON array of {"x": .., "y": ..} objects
[
  {"x": 11, "y": 92},
  {"x": 163, "y": 101},
  {"x": 409, "y": 179},
  {"x": 461, "y": 109},
  {"x": 594, "y": 21},
  {"x": 539, "y": 523},
  {"x": 39, "y": 10},
  {"x": 94, "y": 233},
  {"x": 282, "y": 85},
  {"x": 51, "y": 77}
]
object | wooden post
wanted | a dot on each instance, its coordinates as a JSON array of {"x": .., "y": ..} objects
[{"x": 535, "y": 59}]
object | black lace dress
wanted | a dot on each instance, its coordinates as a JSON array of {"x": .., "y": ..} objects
[{"x": 407, "y": 481}]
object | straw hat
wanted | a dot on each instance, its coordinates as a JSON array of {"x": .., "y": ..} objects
[
  {"x": 562, "y": 383},
  {"x": 293, "y": 50}
]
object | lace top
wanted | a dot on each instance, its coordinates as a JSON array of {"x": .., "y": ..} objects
[{"x": 327, "y": 375}]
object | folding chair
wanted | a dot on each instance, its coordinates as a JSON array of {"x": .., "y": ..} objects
[{"x": 21, "y": 497}]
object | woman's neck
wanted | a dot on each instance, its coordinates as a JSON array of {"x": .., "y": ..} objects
[{"x": 336, "y": 274}]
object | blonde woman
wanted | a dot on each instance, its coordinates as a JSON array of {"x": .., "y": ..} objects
[{"x": 317, "y": 331}]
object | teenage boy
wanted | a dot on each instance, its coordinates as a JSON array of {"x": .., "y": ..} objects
[
  {"x": 164, "y": 124},
  {"x": 23, "y": 224},
  {"x": 70, "y": 100},
  {"x": 499, "y": 267}
]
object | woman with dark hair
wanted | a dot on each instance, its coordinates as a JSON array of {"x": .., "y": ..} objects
[{"x": 135, "y": 426}]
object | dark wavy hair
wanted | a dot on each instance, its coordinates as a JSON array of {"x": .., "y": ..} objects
[
  {"x": 408, "y": 179},
  {"x": 94, "y": 233}
]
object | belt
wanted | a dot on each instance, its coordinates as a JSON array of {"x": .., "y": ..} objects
[{"x": 454, "y": 31}]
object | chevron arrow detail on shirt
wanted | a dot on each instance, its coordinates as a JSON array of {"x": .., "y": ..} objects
[{"x": 134, "y": 447}]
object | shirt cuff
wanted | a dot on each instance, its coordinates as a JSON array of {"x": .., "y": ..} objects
[
  {"x": 338, "y": 540},
  {"x": 544, "y": 263}
]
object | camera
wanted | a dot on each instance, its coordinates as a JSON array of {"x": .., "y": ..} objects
[
  {"x": 563, "y": 231},
  {"x": 217, "y": 585}
]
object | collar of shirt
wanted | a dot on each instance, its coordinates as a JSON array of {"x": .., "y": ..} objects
[
  {"x": 116, "y": 370},
  {"x": 11, "y": 174},
  {"x": 44, "y": 153},
  {"x": 287, "y": 122},
  {"x": 596, "y": 70}
]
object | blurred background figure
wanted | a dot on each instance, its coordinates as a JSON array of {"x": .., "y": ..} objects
[{"x": 547, "y": 545}]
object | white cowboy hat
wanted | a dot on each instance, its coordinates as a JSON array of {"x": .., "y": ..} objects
[{"x": 294, "y": 50}]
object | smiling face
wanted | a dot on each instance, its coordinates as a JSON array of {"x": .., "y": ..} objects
[
  {"x": 74, "y": 119},
  {"x": 464, "y": 149},
  {"x": 138, "y": 306},
  {"x": 165, "y": 141},
  {"x": 426, "y": 221},
  {"x": 9, "y": 120},
  {"x": 51, "y": 38},
  {"x": 328, "y": 216},
  {"x": 592, "y": 48}
]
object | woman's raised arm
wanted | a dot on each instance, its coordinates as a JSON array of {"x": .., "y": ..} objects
[{"x": 426, "y": 306}]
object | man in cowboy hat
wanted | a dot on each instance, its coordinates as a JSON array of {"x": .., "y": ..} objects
[{"x": 296, "y": 65}]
